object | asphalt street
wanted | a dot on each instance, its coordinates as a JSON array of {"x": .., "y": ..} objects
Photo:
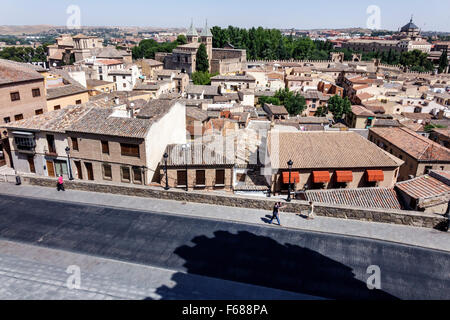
[{"x": 312, "y": 263}]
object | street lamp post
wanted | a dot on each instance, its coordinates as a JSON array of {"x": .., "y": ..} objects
[
  {"x": 290, "y": 163},
  {"x": 68, "y": 160},
  {"x": 165, "y": 171},
  {"x": 185, "y": 148}
]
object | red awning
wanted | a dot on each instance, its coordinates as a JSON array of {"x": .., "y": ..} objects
[
  {"x": 344, "y": 176},
  {"x": 375, "y": 175},
  {"x": 295, "y": 177},
  {"x": 321, "y": 176}
]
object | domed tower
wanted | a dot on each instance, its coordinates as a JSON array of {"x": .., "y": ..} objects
[
  {"x": 410, "y": 30},
  {"x": 206, "y": 38},
  {"x": 191, "y": 34}
]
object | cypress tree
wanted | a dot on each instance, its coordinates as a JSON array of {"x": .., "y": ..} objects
[{"x": 202, "y": 63}]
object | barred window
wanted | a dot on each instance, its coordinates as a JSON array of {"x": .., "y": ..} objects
[{"x": 24, "y": 143}]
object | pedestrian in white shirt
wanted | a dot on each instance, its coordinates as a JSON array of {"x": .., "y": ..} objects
[{"x": 311, "y": 211}]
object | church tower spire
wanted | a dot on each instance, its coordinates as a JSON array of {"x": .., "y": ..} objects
[
  {"x": 191, "y": 34},
  {"x": 206, "y": 38}
]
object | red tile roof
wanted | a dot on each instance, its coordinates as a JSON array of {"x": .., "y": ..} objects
[
  {"x": 361, "y": 111},
  {"x": 414, "y": 144},
  {"x": 424, "y": 187},
  {"x": 109, "y": 62},
  {"x": 385, "y": 198},
  {"x": 12, "y": 71},
  {"x": 327, "y": 150}
]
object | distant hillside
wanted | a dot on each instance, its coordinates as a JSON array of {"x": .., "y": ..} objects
[{"x": 18, "y": 30}]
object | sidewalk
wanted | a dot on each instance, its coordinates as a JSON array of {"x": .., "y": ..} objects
[{"x": 423, "y": 237}]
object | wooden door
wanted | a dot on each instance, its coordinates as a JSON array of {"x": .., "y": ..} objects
[
  {"x": 90, "y": 171},
  {"x": 31, "y": 163},
  {"x": 50, "y": 169},
  {"x": 79, "y": 171}
]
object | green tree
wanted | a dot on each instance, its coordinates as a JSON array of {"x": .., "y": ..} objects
[
  {"x": 202, "y": 78},
  {"x": 321, "y": 112},
  {"x": 148, "y": 47},
  {"x": 416, "y": 60},
  {"x": 294, "y": 103},
  {"x": 339, "y": 107},
  {"x": 181, "y": 39},
  {"x": 443, "y": 62},
  {"x": 220, "y": 37},
  {"x": 202, "y": 63},
  {"x": 27, "y": 54},
  {"x": 430, "y": 127},
  {"x": 271, "y": 100}
]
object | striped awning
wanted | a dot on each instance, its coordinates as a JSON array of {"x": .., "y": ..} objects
[
  {"x": 344, "y": 176},
  {"x": 375, "y": 175},
  {"x": 295, "y": 177},
  {"x": 321, "y": 176}
]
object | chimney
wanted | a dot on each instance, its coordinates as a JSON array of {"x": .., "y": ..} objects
[
  {"x": 116, "y": 100},
  {"x": 131, "y": 110}
]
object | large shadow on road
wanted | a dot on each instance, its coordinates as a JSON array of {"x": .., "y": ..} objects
[{"x": 259, "y": 260}]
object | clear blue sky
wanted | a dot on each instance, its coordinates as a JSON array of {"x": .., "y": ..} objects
[{"x": 428, "y": 14}]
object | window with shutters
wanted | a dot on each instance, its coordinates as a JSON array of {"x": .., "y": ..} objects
[
  {"x": 137, "y": 175},
  {"x": 200, "y": 179},
  {"x": 220, "y": 177},
  {"x": 74, "y": 144},
  {"x": 105, "y": 147},
  {"x": 107, "y": 172},
  {"x": 181, "y": 178},
  {"x": 126, "y": 176},
  {"x": 129, "y": 150}
]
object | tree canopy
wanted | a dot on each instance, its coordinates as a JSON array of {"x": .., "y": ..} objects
[
  {"x": 416, "y": 60},
  {"x": 24, "y": 54},
  {"x": 148, "y": 47},
  {"x": 202, "y": 63},
  {"x": 202, "y": 78},
  {"x": 270, "y": 100},
  {"x": 271, "y": 44},
  {"x": 294, "y": 102},
  {"x": 443, "y": 62},
  {"x": 430, "y": 127},
  {"x": 339, "y": 107}
]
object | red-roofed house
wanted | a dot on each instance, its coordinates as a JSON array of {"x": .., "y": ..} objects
[{"x": 419, "y": 153}]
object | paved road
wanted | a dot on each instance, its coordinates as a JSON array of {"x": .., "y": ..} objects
[
  {"x": 317, "y": 264},
  {"x": 423, "y": 237}
]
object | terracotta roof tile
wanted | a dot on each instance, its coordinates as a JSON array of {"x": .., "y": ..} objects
[
  {"x": 384, "y": 198},
  {"x": 327, "y": 149},
  {"x": 414, "y": 144},
  {"x": 12, "y": 71},
  {"x": 424, "y": 187}
]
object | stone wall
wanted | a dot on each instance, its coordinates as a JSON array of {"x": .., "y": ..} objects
[{"x": 411, "y": 218}]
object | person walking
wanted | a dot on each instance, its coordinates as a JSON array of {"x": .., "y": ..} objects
[
  {"x": 311, "y": 211},
  {"x": 60, "y": 184},
  {"x": 275, "y": 213}
]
